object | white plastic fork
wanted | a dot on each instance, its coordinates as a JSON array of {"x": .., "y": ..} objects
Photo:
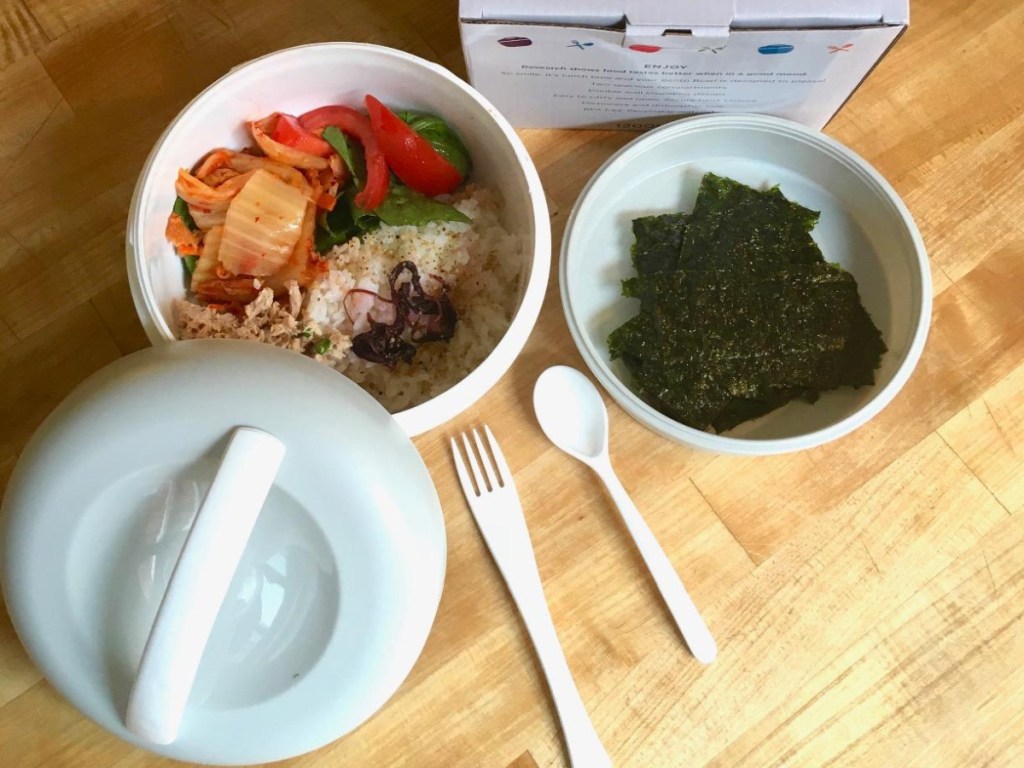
[{"x": 495, "y": 505}]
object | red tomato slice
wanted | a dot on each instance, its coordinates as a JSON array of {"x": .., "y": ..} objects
[
  {"x": 409, "y": 155},
  {"x": 289, "y": 132},
  {"x": 351, "y": 122}
]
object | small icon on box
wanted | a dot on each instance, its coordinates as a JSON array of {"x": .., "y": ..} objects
[
  {"x": 515, "y": 42},
  {"x": 775, "y": 48}
]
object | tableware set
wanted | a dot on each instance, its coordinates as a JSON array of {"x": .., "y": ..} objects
[{"x": 227, "y": 553}]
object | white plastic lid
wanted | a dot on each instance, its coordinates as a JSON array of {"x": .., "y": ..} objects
[{"x": 334, "y": 594}]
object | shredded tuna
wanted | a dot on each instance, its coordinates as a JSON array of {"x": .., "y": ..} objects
[{"x": 264, "y": 319}]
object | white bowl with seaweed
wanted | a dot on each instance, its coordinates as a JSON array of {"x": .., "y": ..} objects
[{"x": 723, "y": 328}]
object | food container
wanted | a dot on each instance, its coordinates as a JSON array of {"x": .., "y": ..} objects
[
  {"x": 298, "y": 79},
  {"x": 333, "y": 596},
  {"x": 864, "y": 227}
]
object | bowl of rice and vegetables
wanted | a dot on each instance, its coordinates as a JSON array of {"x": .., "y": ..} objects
[{"x": 356, "y": 205}]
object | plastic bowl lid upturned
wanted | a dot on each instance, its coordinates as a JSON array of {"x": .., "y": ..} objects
[
  {"x": 864, "y": 226},
  {"x": 301, "y": 78},
  {"x": 336, "y": 590}
]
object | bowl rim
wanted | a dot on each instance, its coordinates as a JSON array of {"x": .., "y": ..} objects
[
  {"x": 674, "y": 430},
  {"x": 444, "y": 406}
]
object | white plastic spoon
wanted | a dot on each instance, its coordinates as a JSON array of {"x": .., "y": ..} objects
[{"x": 572, "y": 414}]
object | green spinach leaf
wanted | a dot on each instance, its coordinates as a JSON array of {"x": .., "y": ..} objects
[
  {"x": 335, "y": 227},
  {"x": 407, "y": 207},
  {"x": 442, "y": 138},
  {"x": 181, "y": 208},
  {"x": 350, "y": 153}
]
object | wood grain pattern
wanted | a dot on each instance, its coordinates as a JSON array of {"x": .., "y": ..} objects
[{"x": 867, "y": 596}]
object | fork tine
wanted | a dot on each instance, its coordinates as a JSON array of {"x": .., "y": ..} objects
[
  {"x": 499, "y": 458},
  {"x": 474, "y": 467},
  {"x": 488, "y": 467},
  {"x": 460, "y": 469}
]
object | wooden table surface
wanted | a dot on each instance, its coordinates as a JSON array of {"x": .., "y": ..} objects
[{"x": 866, "y": 595}]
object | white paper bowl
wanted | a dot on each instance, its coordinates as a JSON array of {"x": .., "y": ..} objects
[
  {"x": 864, "y": 226},
  {"x": 298, "y": 79}
]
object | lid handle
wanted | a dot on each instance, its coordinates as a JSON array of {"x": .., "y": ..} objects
[{"x": 199, "y": 584}]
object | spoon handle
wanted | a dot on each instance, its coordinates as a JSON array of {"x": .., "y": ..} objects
[{"x": 695, "y": 632}]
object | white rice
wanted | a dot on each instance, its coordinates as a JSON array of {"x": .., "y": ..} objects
[{"x": 479, "y": 262}]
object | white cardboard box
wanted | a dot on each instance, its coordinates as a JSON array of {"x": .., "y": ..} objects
[{"x": 634, "y": 64}]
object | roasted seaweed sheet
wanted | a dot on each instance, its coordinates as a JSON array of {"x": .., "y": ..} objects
[{"x": 739, "y": 311}]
